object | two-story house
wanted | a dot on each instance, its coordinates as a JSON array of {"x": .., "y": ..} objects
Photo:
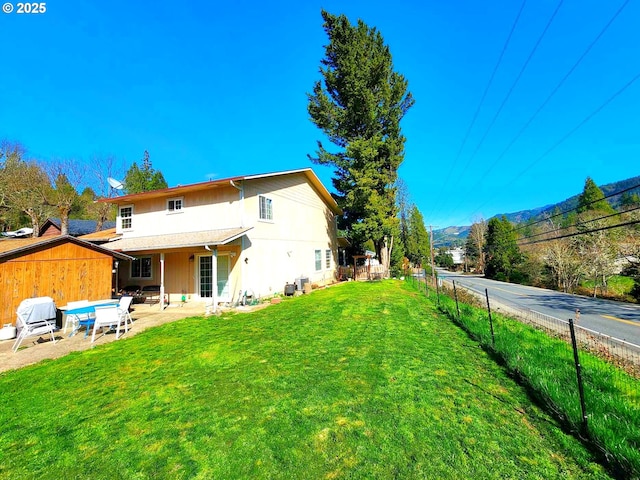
[{"x": 217, "y": 240}]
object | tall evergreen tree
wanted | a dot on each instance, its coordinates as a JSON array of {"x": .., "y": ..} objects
[
  {"x": 143, "y": 179},
  {"x": 503, "y": 255},
  {"x": 359, "y": 106},
  {"x": 417, "y": 249},
  {"x": 592, "y": 198}
]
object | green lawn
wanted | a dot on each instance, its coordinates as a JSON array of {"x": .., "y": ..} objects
[{"x": 361, "y": 380}]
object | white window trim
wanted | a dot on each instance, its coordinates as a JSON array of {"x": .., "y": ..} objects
[
  {"x": 150, "y": 268},
  {"x": 120, "y": 217},
  {"x": 329, "y": 258},
  {"x": 174, "y": 211},
  {"x": 268, "y": 220},
  {"x": 317, "y": 258}
]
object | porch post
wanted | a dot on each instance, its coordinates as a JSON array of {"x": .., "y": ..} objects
[
  {"x": 214, "y": 278},
  {"x": 162, "y": 281}
]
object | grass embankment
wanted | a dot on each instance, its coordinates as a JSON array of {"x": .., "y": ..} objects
[
  {"x": 546, "y": 365},
  {"x": 355, "y": 381},
  {"x": 618, "y": 288}
]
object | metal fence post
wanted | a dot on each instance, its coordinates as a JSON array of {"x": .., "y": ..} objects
[
  {"x": 426, "y": 285},
  {"x": 579, "y": 375},
  {"x": 493, "y": 338},
  {"x": 455, "y": 294}
]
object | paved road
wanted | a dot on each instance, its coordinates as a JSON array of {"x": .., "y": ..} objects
[{"x": 617, "y": 319}]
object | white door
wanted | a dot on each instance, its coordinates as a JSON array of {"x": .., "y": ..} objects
[{"x": 205, "y": 277}]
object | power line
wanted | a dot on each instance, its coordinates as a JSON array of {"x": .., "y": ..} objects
[
  {"x": 484, "y": 94},
  {"x": 486, "y": 90},
  {"x": 584, "y": 222},
  {"x": 555, "y": 89},
  {"x": 515, "y": 82},
  {"x": 609, "y": 227},
  {"x": 576, "y": 208},
  {"x": 573, "y": 130},
  {"x": 552, "y": 94}
]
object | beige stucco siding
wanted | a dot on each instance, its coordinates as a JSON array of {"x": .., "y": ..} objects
[
  {"x": 203, "y": 210},
  {"x": 282, "y": 250}
]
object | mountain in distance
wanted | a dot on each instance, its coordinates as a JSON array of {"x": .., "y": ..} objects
[{"x": 457, "y": 236}]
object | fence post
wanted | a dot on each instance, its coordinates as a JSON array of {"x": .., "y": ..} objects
[
  {"x": 493, "y": 338},
  {"x": 455, "y": 294},
  {"x": 426, "y": 285},
  {"x": 579, "y": 375},
  {"x": 437, "y": 290}
]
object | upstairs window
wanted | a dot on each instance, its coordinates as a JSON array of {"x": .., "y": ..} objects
[
  {"x": 266, "y": 208},
  {"x": 175, "y": 205},
  {"x": 126, "y": 217}
]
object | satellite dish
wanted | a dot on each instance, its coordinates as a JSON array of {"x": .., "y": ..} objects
[{"x": 115, "y": 184}]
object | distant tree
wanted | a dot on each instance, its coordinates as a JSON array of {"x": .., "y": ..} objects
[
  {"x": 143, "y": 179},
  {"x": 503, "y": 255},
  {"x": 592, "y": 199},
  {"x": 563, "y": 259},
  {"x": 474, "y": 246},
  {"x": 417, "y": 247},
  {"x": 359, "y": 107},
  {"x": 598, "y": 249},
  {"x": 24, "y": 185},
  {"x": 102, "y": 168},
  {"x": 629, "y": 200},
  {"x": 65, "y": 176},
  {"x": 403, "y": 206},
  {"x": 444, "y": 259}
]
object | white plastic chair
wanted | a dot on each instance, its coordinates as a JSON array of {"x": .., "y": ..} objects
[
  {"x": 123, "y": 310},
  {"x": 35, "y": 316},
  {"x": 107, "y": 316},
  {"x": 74, "y": 320}
]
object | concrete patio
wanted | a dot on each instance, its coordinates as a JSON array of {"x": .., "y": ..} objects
[{"x": 35, "y": 349}]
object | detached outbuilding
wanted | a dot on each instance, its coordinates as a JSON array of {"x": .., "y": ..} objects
[{"x": 64, "y": 268}]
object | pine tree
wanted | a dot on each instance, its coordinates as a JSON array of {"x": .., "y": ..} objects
[
  {"x": 502, "y": 252},
  {"x": 143, "y": 180},
  {"x": 359, "y": 107},
  {"x": 592, "y": 198}
]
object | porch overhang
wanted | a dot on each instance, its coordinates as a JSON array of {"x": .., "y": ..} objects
[{"x": 177, "y": 240}]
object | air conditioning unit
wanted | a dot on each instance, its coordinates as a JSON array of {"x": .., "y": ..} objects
[{"x": 300, "y": 283}]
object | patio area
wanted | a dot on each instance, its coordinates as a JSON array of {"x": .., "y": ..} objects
[{"x": 35, "y": 349}]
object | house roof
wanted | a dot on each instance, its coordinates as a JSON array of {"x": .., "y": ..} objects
[
  {"x": 16, "y": 247},
  {"x": 177, "y": 240},
  {"x": 77, "y": 227},
  {"x": 194, "y": 187},
  {"x": 101, "y": 236}
]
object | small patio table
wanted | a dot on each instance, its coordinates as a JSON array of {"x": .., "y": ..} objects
[{"x": 84, "y": 310}]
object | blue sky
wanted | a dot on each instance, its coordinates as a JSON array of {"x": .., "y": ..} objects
[{"x": 216, "y": 89}]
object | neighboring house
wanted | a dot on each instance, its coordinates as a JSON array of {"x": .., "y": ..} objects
[
  {"x": 219, "y": 240},
  {"x": 457, "y": 254},
  {"x": 21, "y": 233},
  {"x": 62, "y": 267},
  {"x": 52, "y": 226}
]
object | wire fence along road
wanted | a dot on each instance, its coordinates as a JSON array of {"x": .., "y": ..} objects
[
  {"x": 614, "y": 319},
  {"x": 621, "y": 353}
]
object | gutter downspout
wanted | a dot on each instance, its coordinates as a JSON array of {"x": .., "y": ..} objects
[
  {"x": 214, "y": 276},
  {"x": 243, "y": 287}
]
